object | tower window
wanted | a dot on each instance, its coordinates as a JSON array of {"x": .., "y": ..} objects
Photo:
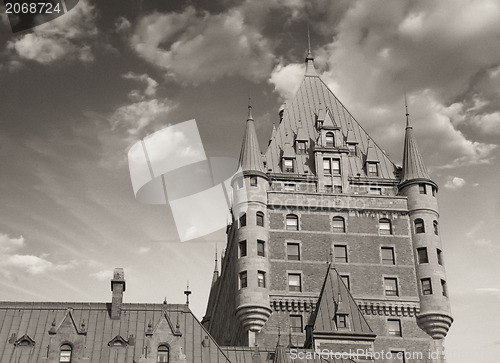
[
  {"x": 292, "y": 222},
  {"x": 337, "y": 189},
  {"x": 347, "y": 282},
  {"x": 422, "y": 255},
  {"x": 296, "y": 325},
  {"x": 243, "y": 248},
  {"x": 261, "y": 248},
  {"x": 163, "y": 354},
  {"x": 421, "y": 189},
  {"x": 388, "y": 256},
  {"x": 253, "y": 181},
  {"x": 434, "y": 191},
  {"x": 290, "y": 187},
  {"x": 338, "y": 225},
  {"x": 327, "y": 166},
  {"x": 260, "y": 219},
  {"x": 294, "y": 282},
  {"x": 384, "y": 226},
  {"x": 330, "y": 141},
  {"x": 301, "y": 147},
  {"x": 293, "y": 251},
  {"x": 243, "y": 220},
  {"x": 419, "y": 225},
  {"x": 375, "y": 191},
  {"x": 372, "y": 169},
  {"x": 426, "y": 286},
  {"x": 288, "y": 164},
  {"x": 336, "y": 166},
  {"x": 394, "y": 327},
  {"x": 340, "y": 253},
  {"x": 436, "y": 230},
  {"x": 439, "y": 256},
  {"x": 261, "y": 279},
  {"x": 341, "y": 321},
  {"x": 65, "y": 353},
  {"x": 391, "y": 286},
  {"x": 444, "y": 289},
  {"x": 243, "y": 279}
]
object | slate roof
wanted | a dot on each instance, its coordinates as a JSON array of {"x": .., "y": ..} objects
[
  {"x": 312, "y": 96},
  {"x": 413, "y": 163}
]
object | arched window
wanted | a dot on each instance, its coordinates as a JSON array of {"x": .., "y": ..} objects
[
  {"x": 65, "y": 354},
  {"x": 338, "y": 225},
  {"x": 260, "y": 219},
  {"x": 243, "y": 220},
  {"x": 292, "y": 222},
  {"x": 384, "y": 226},
  {"x": 419, "y": 225},
  {"x": 330, "y": 141},
  {"x": 436, "y": 231},
  {"x": 163, "y": 354}
]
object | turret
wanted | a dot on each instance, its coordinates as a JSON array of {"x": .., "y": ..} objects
[
  {"x": 251, "y": 236},
  {"x": 435, "y": 315}
]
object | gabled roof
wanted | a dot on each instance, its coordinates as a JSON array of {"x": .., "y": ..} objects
[
  {"x": 413, "y": 163},
  {"x": 250, "y": 156},
  {"x": 313, "y": 95}
]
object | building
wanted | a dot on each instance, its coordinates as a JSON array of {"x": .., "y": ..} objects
[{"x": 326, "y": 200}]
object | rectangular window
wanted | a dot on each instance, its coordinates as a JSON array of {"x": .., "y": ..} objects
[
  {"x": 301, "y": 147},
  {"x": 422, "y": 255},
  {"x": 426, "y": 286},
  {"x": 352, "y": 149},
  {"x": 65, "y": 356},
  {"x": 434, "y": 191},
  {"x": 394, "y": 327},
  {"x": 439, "y": 256},
  {"x": 261, "y": 279},
  {"x": 419, "y": 225},
  {"x": 253, "y": 181},
  {"x": 296, "y": 325},
  {"x": 336, "y": 166},
  {"x": 340, "y": 253},
  {"x": 391, "y": 286},
  {"x": 328, "y": 189},
  {"x": 346, "y": 280},
  {"x": 293, "y": 251},
  {"x": 421, "y": 189},
  {"x": 259, "y": 218},
  {"x": 288, "y": 163},
  {"x": 243, "y": 248},
  {"x": 388, "y": 256},
  {"x": 372, "y": 169},
  {"x": 327, "y": 166},
  {"x": 261, "y": 248},
  {"x": 243, "y": 279},
  {"x": 375, "y": 191},
  {"x": 444, "y": 289},
  {"x": 337, "y": 189},
  {"x": 290, "y": 187},
  {"x": 342, "y": 321},
  {"x": 294, "y": 282},
  {"x": 243, "y": 220},
  {"x": 398, "y": 356}
]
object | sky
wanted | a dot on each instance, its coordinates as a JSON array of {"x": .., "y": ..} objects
[{"x": 79, "y": 91}]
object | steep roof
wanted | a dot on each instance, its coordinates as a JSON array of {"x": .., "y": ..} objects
[
  {"x": 250, "y": 156},
  {"x": 313, "y": 96},
  {"x": 413, "y": 163}
]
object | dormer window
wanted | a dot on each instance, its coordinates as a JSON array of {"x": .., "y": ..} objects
[
  {"x": 300, "y": 147},
  {"x": 65, "y": 353},
  {"x": 329, "y": 139},
  {"x": 372, "y": 169},
  {"x": 288, "y": 165},
  {"x": 352, "y": 149}
]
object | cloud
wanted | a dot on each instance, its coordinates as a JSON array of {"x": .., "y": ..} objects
[
  {"x": 151, "y": 86},
  {"x": 454, "y": 183},
  {"x": 475, "y": 228},
  {"x": 494, "y": 291},
  {"x": 8, "y": 244},
  {"x": 102, "y": 275},
  {"x": 483, "y": 242},
  {"x": 286, "y": 79},
  {"x": 34, "y": 265},
  {"x": 65, "y": 38},
  {"x": 194, "y": 47}
]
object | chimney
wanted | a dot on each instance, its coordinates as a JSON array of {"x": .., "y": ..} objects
[{"x": 117, "y": 287}]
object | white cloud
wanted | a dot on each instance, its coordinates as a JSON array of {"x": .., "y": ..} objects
[
  {"x": 151, "y": 86},
  {"x": 495, "y": 291},
  {"x": 102, "y": 275},
  {"x": 286, "y": 79},
  {"x": 474, "y": 229},
  {"x": 454, "y": 183},
  {"x": 34, "y": 265},
  {"x": 8, "y": 244}
]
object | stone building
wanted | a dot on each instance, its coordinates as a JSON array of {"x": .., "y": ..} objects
[{"x": 325, "y": 200}]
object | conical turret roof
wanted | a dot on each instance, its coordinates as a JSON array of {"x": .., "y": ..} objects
[
  {"x": 250, "y": 156},
  {"x": 413, "y": 163}
]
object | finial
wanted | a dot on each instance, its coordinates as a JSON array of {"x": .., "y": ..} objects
[
  {"x": 308, "y": 41},
  {"x": 187, "y": 293},
  {"x": 279, "y": 333},
  {"x": 250, "y": 117},
  {"x": 165, "y": 300},
  {"x": 407, "y": 114}
]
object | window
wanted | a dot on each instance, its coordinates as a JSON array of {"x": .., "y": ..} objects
[
  {"x": 338, "y": 225},
  {"x": 293, "y": 251},
  {"x": 294, "y": 282},
  {"x": 163, "y": 354},
  {"x": 260, "y": 219},
  {"x": 347, "y": 282},
  {"x": 375, "y": 191},
  {"x": 340, "y": 253},
  {"x": 243, "y": 248},
  {"x": 394, "y": 327},
  {"x": 336, "y": 166},
  {"x": 421, "y": 189},
  {"x": 261, "y": 279},
  {"x": 65, "y": 354},
  {"x": 422, "y": 255},
  {"x": 391, "y": 286},
  {"x": 328, "y": 188},
  {"x": 301, "y": 147},
  {"x": 253, "y": 181},
  {"x": 261, "y": 248},
  {"x": 289, "y": 187},
  {"x": 426, "y": 286},
  {"x": 372, "y": 169},
  {"x": 292, "y": 222},
  {"x": 352, "y": 149},
  {"x": 243, "y": 279},
  {"x": 384, "y": 226},
  {"x": 296, "y": 325},
  {"x": 436, "y": 231},
  {"x": 439, "y": 256},
  {"x": 341, "y": 321},
  {"x": 327, "y": 166},
  {"x": 434, "y": 191},
  {"x": 388, "y": 256},
  {"x": 337, "y": 189},
  {"x": 243, "y": 220},
  {"x": 288, "y": 163},
  {"x": 419, "y": 226},
  {"x": 444, "y": 289},
  {"x": 330, "y": 141},
  {"x": 398, "y": 356}
]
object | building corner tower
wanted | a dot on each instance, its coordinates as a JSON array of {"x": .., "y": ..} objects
[{"x": 435, "y": 315}]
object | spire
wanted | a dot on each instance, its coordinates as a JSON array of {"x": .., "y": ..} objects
[
  {"x": 187, "y": 293},
  {"x": 250, "y": 156},
  {"x": 216, "y": 269},
  {"x": 250, "y": 117},
  {"x": 413, "y": 163},
  {"x": 310, "y": 69}
]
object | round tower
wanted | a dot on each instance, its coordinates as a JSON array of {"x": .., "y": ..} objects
[
  {"x": 435, "y": 315},
  {"x": 251, "y": 237}
]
